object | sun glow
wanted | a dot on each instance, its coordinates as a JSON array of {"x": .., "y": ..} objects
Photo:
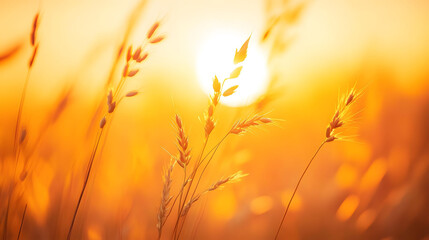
[{"x": 215, "y": 57}]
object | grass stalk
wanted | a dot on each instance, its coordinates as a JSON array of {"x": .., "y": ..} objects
[
  {"x": 22, "y": 222},
  {"x": 199, "y": 179},
  {"x": 85, "y": 183},
  {"x": 296, "y": 188}
]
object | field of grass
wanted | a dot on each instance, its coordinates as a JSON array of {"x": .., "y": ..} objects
[{"x": 265, "y": 119}]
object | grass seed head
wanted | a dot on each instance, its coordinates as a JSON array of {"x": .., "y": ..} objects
[
  {"x": 241, "y": 55},
  {"x": 165, "y": 197},
  {"x": 125, "y": 71},
  {"x": 156, "y": 40},
  {"x": 103, "y": 122},
  {"x": 338, "y": 120},
  {"x": 242, "y": 126},
  {"x": 33, "y": 56},
  {"x": 216, "y": 84},
  {"x": 133, "y": 72},
  {"x": 110, "y": 97},
  {"x": 129, "y": 53},
  {"x": 236, "y": 72},
  {"x": 131, "y": 93},
  {"x": 182, "y": 144},
  {"x": 142, "y": 58},
  {"x": 111, "y": 107},
  {"x": 208, "y": 128},
  {"x": 34, "y": 29},
  {"x": 210, "y": 111},
  {"x": 23, "y": 135},
  {"x": 152, "y": 30},
  {"x": 230, "y": 91},
  {"x": 137, "y": 53},
  {"x": 230, "y": 179}
]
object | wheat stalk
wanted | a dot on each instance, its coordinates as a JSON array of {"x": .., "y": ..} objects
[
  {"x": 339, "y": 119},
  {"x": 218, "y": 184},
  {"x": 238, "y": 128},
  {"x": 21, "y": 133},
  {"x": 187, "y": 194},
  {"x": 165, "y": 198},
  {"x": 210, "y": 123},
  {"x": 133, "y": 58},
  {"x": 131, "y": 23},
  {"x": 22, "y": 222},
  {"x": 35, "y": 45}
]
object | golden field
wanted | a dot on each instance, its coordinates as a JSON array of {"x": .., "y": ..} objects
[{"x": 119, "y": 104}]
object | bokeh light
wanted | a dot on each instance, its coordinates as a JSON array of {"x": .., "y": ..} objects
[{"x": 302, "y": 56}]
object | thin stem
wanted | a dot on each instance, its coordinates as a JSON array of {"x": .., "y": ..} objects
[
  {"x": 296, "y": 188},
  {"x": 11, "y": 189},
  {"x": 187, "y": 180},
  {"x": 183, "y": 186},
  {"x": 208, "y": 162},
  {"x": 7, "y": 216},
  {"x": 181, "y": 192},
  {"x": 16, "y": 144},
  {"x": 132, "y": 21},
  {"x": 85, "y": 183},
  {"x": 120, "y": 86},
  {"x": 197, "y": 164},
  {"x": 199, "y": 179},
  {"x": 18, "y": 117},
  {"x": 198, "y": 221},
  {"x": 172, "y": 205},
  {"x": 22, "y": 222}
]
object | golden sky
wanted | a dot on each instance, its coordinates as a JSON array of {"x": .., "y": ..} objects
[
  {"x": 332, "y": 34},
  {"x": 382, "y": 45}
]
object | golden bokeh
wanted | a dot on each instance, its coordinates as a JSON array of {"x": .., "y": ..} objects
[{"x": 104, "y": 104}]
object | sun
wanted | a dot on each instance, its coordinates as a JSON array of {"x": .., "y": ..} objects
[{"x": 215, "y": 57}]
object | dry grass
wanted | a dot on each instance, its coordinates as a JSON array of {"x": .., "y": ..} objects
[
  {"x": 20, "y": 131},
  {"x": 166, "y": 198},
  {"x": 340, "y": 118},
  {"x": 129, "y": 27},
  {"x": 133, "y": 59},
  {"x": 187, "y": 194},
  {"x": 242, "y": 126},
  {"x": 219, "y": 184},
  {"x": 62, "y": 174}
]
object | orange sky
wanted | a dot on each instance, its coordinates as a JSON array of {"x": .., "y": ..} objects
[
  {"x": 331, "y": 32},
  {"x": 334, "y": 41}
]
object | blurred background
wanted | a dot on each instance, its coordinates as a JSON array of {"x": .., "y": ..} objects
[{"x": 302, "y": 56}]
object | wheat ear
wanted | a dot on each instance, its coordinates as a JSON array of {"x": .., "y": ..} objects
[
  {"x": 218, "y": 184},
  {"x": 165, "y": 198}
]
